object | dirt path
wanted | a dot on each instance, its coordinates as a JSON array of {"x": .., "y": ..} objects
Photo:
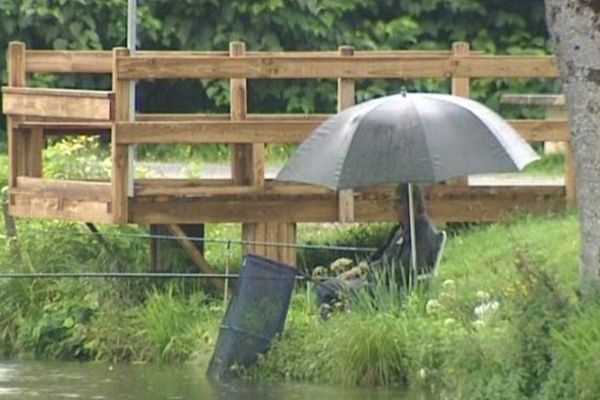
[{"x": 222, "y": 171}]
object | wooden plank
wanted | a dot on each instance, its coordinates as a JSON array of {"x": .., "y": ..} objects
[
  {"x": 119, "y": 152},
  {"x": 533, "y": 130},
  {"x": 60, "y": 103},
  {"x": 76, "y": 190},
  {"x": 272, "y": 239},
  {"x": 248, "y": 160},
  {"x": 193, "y": 252},
  {"x": 505, "y": 67},
  {"x": 288, "y": 235},
  {"x": 281, "y": 66},
  {"x": 92, "y": 94},
  {"x": 235, "y": 131},
  {"x": 67, "y": 127},
  {"x": 302, "y": 54},
  {"x": 16, "y": 78},
  {"x": 35, "y": 146},
  {"x": 345, "y": 98},
  {"x": 460, "y": 87},
  {"x": 544, "y": 100},
  {"x": 28, "y": 206},
  {"x": 285, "y": 66},
  {"x": 281, "y": 131},
  {"x": 212, "y": 117},
  {"x": 21, "y": 141},
  {"x": 100, "y": 61},
  {"x": 69, "y": 61},
  {"x": 445, "y": 203},
  {"x": 208, "y": 188},
  {"x": 540, "y": 130}
]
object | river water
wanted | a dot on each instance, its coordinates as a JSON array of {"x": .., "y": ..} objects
[{"x": 96, "y": 381}]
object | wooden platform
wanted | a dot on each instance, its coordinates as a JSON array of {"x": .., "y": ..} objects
[{"x": 268, "y": 210}]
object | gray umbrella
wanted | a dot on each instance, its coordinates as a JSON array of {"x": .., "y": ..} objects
[{"x": 405, "y": 138}]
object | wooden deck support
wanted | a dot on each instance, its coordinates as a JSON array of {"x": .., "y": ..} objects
[
  {"x": 195, "y": 254},
  {"x": 460, "y": 87},
  {"x": 120, "y": 152},
  {"x": 555, "y": 139},
  {"x": 267, "y": 209},
  {"x": 345, "y": 99},
  {"x": 163, "y": 249},
  {"x": 16, "y": 79},
  {"x": 248, "y": 169}
]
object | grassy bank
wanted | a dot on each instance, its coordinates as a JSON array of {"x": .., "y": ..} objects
[
  {"x": 529, "y": 338},
  {"x": 500, "y": 321},
  {"x": 537, "y": 341}
]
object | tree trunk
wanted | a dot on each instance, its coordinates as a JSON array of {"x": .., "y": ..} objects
[{"x": 574, "y": 26}]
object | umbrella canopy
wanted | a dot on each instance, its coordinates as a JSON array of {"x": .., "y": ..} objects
[{"x": 413, "y": 137}]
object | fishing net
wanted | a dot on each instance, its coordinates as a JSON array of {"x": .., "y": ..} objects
[{"x": 255, "y": 314}]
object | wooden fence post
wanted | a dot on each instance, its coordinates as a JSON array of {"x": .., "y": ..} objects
[
  {"x": 248, "y": 168},
  {"x": 460, "y": 87},
  {"x": 119, "y": 152},
  {"x": 16, "y": 148},
  {"x": 34, "y": 145},
  {"x": 345, "y": 99}
]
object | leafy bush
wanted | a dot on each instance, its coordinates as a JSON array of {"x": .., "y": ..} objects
[
  {"x": 77, "y": 157},
  {"x": 575, "y": 365},
  {"x": 494, "y": 26}
]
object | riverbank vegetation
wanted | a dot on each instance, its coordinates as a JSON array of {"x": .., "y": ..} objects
[{"x": 501, "y": 320}]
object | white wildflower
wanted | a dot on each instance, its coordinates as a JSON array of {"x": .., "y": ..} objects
[
  {"x": 432, "y": 306},
  {"x": 449, "y": 285},
  {"x": 486, "y": 309},
  {"x": 483, "y": 296}
]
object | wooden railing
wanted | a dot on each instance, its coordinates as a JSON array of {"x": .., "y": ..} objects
[{"x": 269, "y": 209}]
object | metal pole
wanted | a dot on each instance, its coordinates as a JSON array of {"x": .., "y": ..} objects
[
  {"x": 413, "y": 239},
  {"x": 131, "y": 45}
]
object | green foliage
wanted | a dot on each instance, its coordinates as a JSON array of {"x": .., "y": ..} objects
[
  {"x": 552, "y": 164},
  {"x": 541, "y": 341},
  {"x": 493, "y": 26},
  {"x": 172, "y": 325},
  {"x": 354, "y": 235},
  {"x": 575, "y": 366},
  {"x": 77, "y": 157}
]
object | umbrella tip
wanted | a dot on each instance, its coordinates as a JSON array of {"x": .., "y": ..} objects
[{"x": 403, "y": 91}]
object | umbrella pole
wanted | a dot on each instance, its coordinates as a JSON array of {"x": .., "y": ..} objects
[{"x": 413, "y": 241}]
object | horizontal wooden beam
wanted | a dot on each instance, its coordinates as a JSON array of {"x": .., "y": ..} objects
[
  {"x": 481, "y": 66},
  {"x": 540, "y": 130},
  {"x": 444, "y": 204},
  {"x": 192, "y": 251},
  {"x": 364, "y": 67},
  {"x": 48, "y": 207},
  {"x": 214, "y": 132},
  {"x": 59, "y": 103},
  {"x": 67, "y": 61},
  {"x": 189, "y": 117},
  {"x": 76, "y": 190},
  {"x": 75, "y": 93},
  {"x": 217, "y": 128},
  {"x": 100, "y": 61},
  {"x": 542, "y": 100},
  {"x": 79, "y": 128},
  {"x": 214, "y": 187},
  {"x": 279, "y": 129}
]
